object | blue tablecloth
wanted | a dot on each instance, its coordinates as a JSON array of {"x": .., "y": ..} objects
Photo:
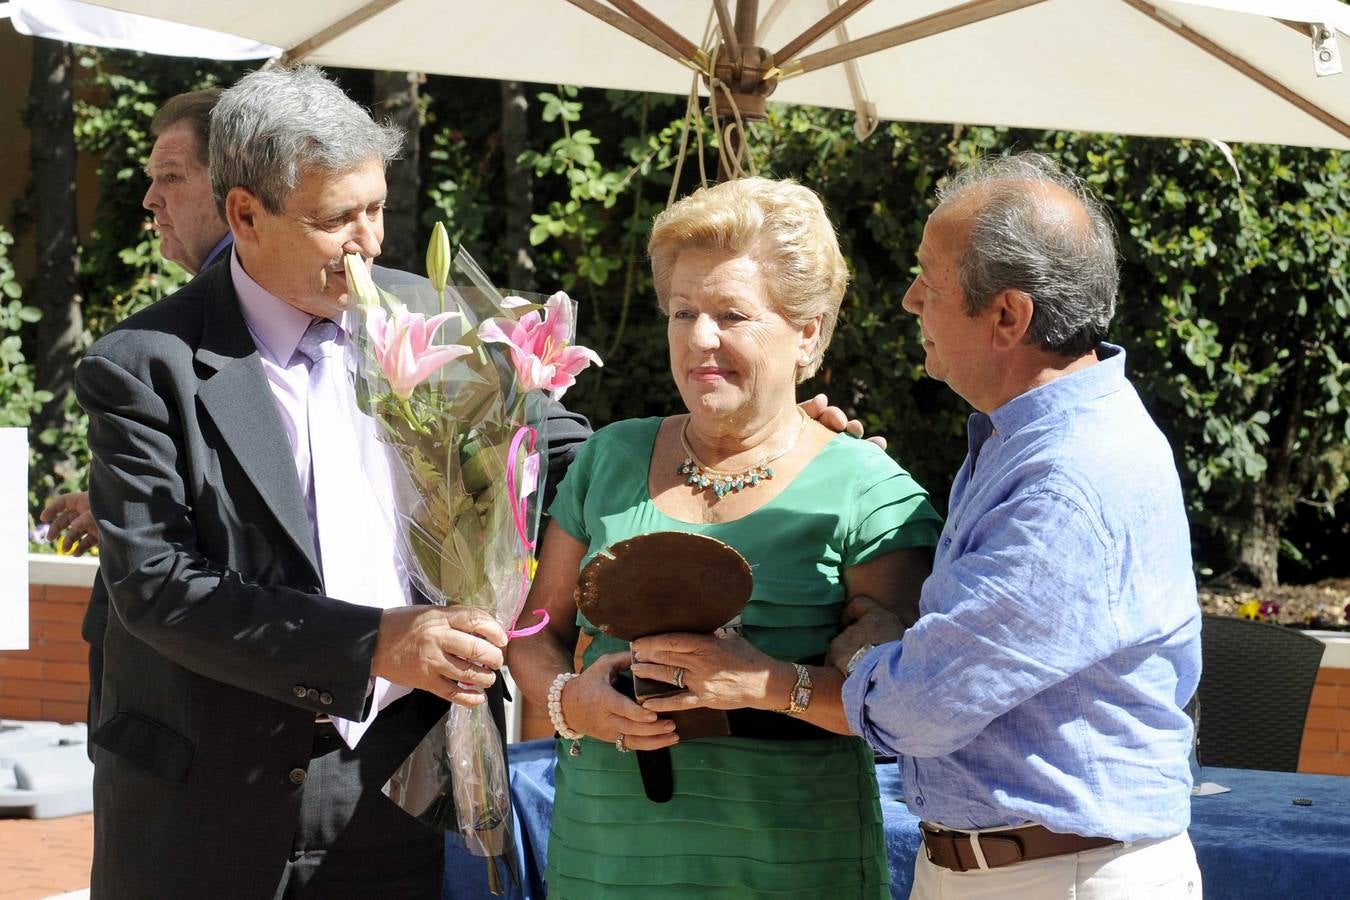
[{"x": 1252, "y": 842}]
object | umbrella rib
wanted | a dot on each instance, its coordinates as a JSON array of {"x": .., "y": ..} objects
[
  {"x": 816, "y": 31},
  {"x": 865, "y": 111},
  {"x": 728, "y": 28},
  {"x": 1232, "y": 59},
  {"x": 336, "y": 30},
  {"x": 634, "y": 20},
  {"x": 937, "y": 23},
  {"x": 766, "y": 21}
]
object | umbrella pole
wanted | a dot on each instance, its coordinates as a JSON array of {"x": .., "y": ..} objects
[{"x": 740, "y": 66}]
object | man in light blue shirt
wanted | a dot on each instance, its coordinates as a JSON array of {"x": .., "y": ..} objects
[{"x": 1036, "y": 706}]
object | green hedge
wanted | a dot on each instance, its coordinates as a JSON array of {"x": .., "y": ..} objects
[{"x": 1234, "y": 301}]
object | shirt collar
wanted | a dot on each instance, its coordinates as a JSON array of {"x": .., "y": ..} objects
[
  {"x": 276, "y": 325},
  {"x": 1105, "y": 376},
  {"x": 221, "y": 246}
]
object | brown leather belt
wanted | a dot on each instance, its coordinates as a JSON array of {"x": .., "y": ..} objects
[{"x": 955, "y": 850}]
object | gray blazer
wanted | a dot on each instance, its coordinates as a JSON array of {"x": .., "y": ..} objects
[{"x": 222, "y": 647}]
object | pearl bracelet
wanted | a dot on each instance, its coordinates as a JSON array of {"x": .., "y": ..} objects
[{"x": 555, "y": 713}]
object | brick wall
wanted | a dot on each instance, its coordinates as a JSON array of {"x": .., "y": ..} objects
[
  {"x": 50, "y": 680},
  {"x": 1326, "y": 735}
]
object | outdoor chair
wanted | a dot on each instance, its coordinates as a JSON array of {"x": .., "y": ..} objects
[{"x": 1254, "y": 693}]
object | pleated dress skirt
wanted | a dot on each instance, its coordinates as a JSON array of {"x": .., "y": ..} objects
[{"x": 750, "y": 818}]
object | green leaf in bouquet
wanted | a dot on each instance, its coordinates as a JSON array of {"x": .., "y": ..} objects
[
  {"x": 422, "y": 470},
  {"x": 462, "y": 505},
  {"x": 461, "y": 569},
  {"x": 476, "y": 402},
  {"x": 426, "y": 550},
  {"x": 482, "y": 465}
]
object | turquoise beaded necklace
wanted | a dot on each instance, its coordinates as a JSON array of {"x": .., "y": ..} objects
[{"x": 703, "y": 477}]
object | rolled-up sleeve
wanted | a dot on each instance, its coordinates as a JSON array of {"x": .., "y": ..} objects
[{"x": 1022, "y": 608}]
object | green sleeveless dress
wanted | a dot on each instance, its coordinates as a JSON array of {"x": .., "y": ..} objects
[{"x": 750, "y": 817}]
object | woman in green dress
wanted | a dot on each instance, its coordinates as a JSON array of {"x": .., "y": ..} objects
[{"x": 750, "y": 277}]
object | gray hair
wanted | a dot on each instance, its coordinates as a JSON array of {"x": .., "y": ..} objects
[
  {"x": 1021, "y": 240},
  {"x": 275, "y": 124}
]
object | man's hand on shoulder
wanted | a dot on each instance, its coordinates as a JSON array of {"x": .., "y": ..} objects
[
  {"x": 70, "y": 523},
  {"x": 453, "y": 652},
  {"x": 833, "y": 418}
]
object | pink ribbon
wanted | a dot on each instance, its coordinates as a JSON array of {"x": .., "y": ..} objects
[
  {"x": 533, "y": 629},
  {"x": 519, "y": 506},
  {"x": 519, "y": 513}
]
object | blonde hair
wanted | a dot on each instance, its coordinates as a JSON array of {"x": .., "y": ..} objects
[{"x": 779, "y": 224}]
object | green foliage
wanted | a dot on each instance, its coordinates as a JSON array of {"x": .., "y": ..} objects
[
  {"x": 19, "y": 397},
  {"x": 460, "y": 163},
  {"x": 1234, "y": 296},
  {"x": 599, "y": 188},
  {"x": 1234, "y": 303}
]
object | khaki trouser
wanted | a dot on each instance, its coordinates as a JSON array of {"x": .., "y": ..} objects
[{"x": 1163, "y": 868}]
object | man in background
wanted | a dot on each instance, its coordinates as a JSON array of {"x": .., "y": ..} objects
[
  {"x": 193, "y": 234},
  {"x": 192, "y": 231}
]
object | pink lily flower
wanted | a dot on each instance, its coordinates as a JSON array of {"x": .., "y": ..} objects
[
  {"x": 403, "y": 347},
  {"x": 539, "y": 346}
]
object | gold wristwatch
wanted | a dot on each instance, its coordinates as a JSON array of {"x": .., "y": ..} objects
[{"x": 800, "y": 698}]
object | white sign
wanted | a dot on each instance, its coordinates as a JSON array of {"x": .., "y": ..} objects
[{"x": 13, "y": 539}]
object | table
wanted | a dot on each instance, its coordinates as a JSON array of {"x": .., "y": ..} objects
[
  {"x": 1251, "y": 842},
  {"x": 1255, "y": 842}
]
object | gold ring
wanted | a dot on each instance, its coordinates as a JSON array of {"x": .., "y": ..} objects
[
  {"x": 619, "y": 744},
  {"x": 679, "y": 678}
]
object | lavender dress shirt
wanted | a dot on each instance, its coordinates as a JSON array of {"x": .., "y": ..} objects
[{"x": 277, "y": 328}]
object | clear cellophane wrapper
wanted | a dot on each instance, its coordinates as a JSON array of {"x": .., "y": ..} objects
[{"x": 467, "y": 448}]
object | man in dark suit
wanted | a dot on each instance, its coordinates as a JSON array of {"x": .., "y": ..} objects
[{"x": 217, "y": 771}]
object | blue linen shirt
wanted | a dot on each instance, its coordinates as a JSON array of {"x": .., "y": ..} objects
[{"x": 1059, "y": 634}]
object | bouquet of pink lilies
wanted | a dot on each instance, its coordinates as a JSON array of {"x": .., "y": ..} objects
[{"x": 462, "y": 418}]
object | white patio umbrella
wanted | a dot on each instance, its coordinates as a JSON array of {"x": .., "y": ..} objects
[
  {"x": 1261, "y": 71},
  {"x": 81, "y": 23}
]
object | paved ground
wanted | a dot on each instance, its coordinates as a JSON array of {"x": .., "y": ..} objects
[{"x": 45, "y": 857}]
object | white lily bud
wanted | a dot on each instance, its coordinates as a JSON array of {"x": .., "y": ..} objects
[
  {"x": 438, "y": 257},
  {"x": 359, "y": 283}
]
